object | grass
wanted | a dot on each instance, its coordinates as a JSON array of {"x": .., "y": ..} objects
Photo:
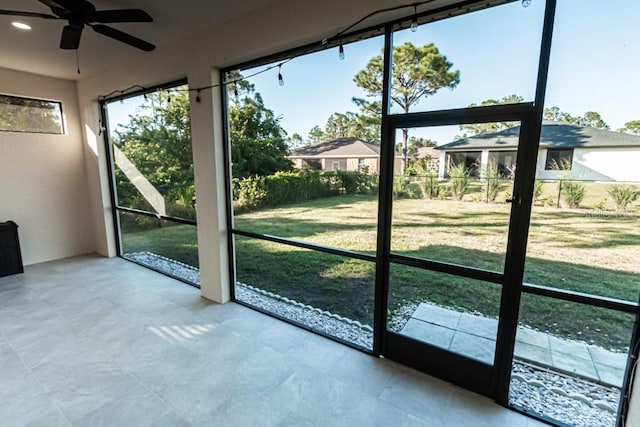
[{"x": 568, "y": 248}]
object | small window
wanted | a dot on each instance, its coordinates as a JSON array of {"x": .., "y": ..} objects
[
  {"x": 559, "y": 159},
  {"x": 30, "y": 115}
]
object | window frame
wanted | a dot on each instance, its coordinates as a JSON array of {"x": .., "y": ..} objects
[
  {"x": 559, "y": 152},
  {"x": 50, "y": 101}
]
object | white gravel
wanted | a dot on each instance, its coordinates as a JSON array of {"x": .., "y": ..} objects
[
  {"x": 571, "y": 400},
  {"x": 318, "y": 320}
]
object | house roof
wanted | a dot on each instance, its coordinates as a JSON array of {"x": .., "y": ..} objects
[
  {"x": 554, "y": 135},
  {"x": 339, "y": 147},
  {"x": 427, "y": 151}
]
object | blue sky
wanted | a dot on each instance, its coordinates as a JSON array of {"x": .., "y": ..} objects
[{"x": 594, "y": 65}]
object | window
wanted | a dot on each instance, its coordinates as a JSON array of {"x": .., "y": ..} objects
[
  {"x": 152, "y": 163},
  {"x": 559, "y": 159},
  {"x": 30, "y": 115},
  {"x": 303, "y": 239}
]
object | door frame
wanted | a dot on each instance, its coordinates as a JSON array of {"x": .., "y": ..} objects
[
  {"x": 469, "y": 373},
  {"x": 492, "y": 381}
]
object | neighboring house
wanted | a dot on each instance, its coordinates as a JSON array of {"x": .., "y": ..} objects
[
  {"x": 345, "y": 154},
  {"x": 589, "y": 154},
  {"x": 432, "y": 155}
]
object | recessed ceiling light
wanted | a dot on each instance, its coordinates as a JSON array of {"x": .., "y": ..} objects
[{"x": 21, "y": 25}]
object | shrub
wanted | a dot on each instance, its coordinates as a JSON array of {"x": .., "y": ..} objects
[
  {"x": 572, "y": 193},
  {"x": 249, "y": 192},
  {"x": 601, "y": 205},
  {"x": 623, "y": 195},
  {"x": 537, "y": 190},
  {"x": 493, "y": 182},
  {"x": 459, "y": 181},
  {"x": 429, "y": 186}
]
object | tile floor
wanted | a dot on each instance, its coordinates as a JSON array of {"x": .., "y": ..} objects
[
  {"x": 93, "y": 341},
  {"x": 475, "y": 336}
]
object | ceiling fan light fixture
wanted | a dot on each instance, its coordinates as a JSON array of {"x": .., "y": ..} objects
[{"x": 21, "y": 26}]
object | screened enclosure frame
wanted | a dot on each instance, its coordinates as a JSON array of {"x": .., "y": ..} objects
[
  {"x": 512, "y": 283},
  {"x": 117, "y": 208}
]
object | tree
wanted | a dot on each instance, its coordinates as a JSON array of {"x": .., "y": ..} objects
[
  {"x": 478, "y": 128},
  {"x": 157, "y": 140},
  {"x": 632, "y": 127},
  {"x": 258, "y": 145},
  {"x": 417, "y": 72},
  {"x": 415, "y": 143},
  {"x": 350, "y": 124},
  {"x": 295, "y": 141},
  {"x": 590, "y": 119},
  {"x": 316, "y": 134}
]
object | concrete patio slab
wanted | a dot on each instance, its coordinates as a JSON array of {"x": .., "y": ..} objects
[
  {"x": 479, "y": 326},
  {"x": 473, "y": 346},
  {"x": 437, "y": 315},
  {"x": 474, "y": 336}
]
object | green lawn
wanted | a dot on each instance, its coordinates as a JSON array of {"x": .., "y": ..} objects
[{"x": 568, "y": 249}]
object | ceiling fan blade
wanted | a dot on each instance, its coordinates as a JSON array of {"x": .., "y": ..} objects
[
  {"x": 67, "y": 4},
  {"x": 123, "y": 37},
  {"x": 70, "y": 37},
  {"x": 121, "y": 15},
  {"x": 28, "y": 14},
  {"x": 52, "y": 3}
]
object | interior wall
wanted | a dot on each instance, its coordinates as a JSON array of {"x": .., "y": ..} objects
[{"x": 43, "y": 178}]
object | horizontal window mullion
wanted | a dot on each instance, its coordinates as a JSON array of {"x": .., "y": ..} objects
[
  {"x": 493, "y": 113},
  {"x": 582, "y": 298},
  {"x": 156, "y": 215},
  {"x": 448, "y": 268},
  {"x": 305, "y": 245}
]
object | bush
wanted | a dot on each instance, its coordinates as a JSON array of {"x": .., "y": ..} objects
[
  {"x": 493, "y": 183},
  {"x": 404, "y": 188},
  {"x": 537, "y": 190},
  {"x": 572, "y": 193},
  {"x": 623, "y": 196},
  {"x": 430, "y": 188},
  {"x": 299, "y": 186},
  {"x": 248, "y": 192},
  {"x": 459, "y": 181}
]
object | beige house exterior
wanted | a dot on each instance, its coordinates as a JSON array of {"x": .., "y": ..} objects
[
  {"x": 345, "y": 154},
  {"x": 587, "y": 153}
]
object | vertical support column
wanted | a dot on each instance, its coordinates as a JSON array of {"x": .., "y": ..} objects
[
  {"x": 484, "y": 163},
  {"x": 387, "y": 159},
  {"x": 208, "y": 164}
]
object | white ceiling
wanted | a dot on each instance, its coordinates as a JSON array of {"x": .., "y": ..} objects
[{"x": 37, "y": 50}]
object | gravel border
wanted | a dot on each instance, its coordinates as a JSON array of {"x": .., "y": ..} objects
[
  {"x": 315, "y": 318},
  {"x": 568, "y": 399}
]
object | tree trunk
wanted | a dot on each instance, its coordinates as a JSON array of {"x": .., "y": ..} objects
[{"x": 405, "y": 149}]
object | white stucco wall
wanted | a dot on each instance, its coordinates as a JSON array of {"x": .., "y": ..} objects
[
  {"x": 42, "y": 177},
  {"x": 596, "y": 164}
]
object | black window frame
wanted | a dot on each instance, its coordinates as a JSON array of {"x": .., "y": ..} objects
[
  {"x": 533, "y": 113},
  {"x": 116, "y": 208}
]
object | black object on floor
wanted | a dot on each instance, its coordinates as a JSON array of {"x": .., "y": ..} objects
[{"x": 10, "y": 256}]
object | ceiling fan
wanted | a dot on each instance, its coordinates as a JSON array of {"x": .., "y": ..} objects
[{"x": 79, "y": 13}]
